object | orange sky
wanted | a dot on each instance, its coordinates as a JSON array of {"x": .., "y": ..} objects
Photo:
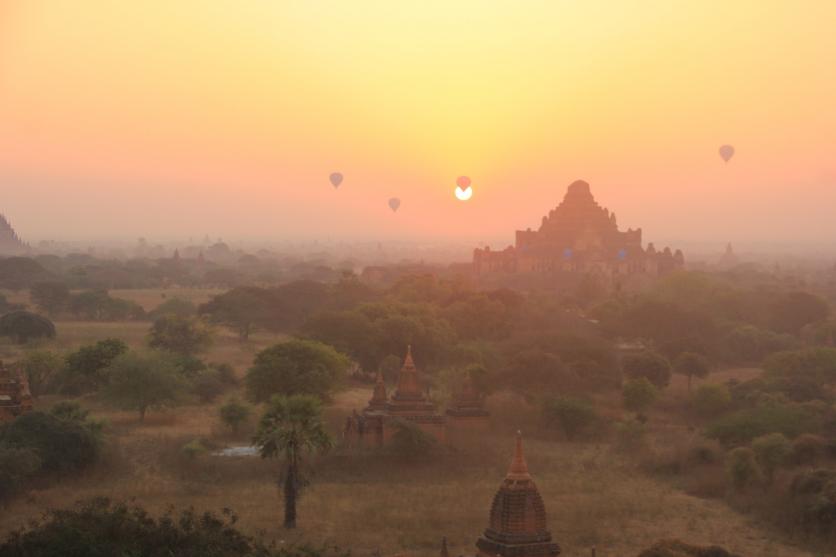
[{"x": 173, "y": 119}]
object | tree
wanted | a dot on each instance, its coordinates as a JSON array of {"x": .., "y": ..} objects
[
  {"x": 234, "y": 413},
  {"x": 742, "y": 467},
  {"x": 295, "y": 367},
  {"x": 173, "y": 306},
  {"x": 39, "y": 367},
  {"x": 143, "y": 380},
  {"x": 573, "y": 415},
  {"x": 650, "y": 365},
  {"x": 638, "y": 395},
  {"x": 711, "y": 400},
  {"x": 691, "y": 364},
  {"x": 181, "y": 335},
  {"x": 51, "y": 297},
  {"x": 86, "y": 368},
  {"x": 290, "y": 428},
  {"x": 23, "y": 326},
  {"x": 793, "y": 310},
  {"x": 17, "y": 273},
  {"x": 818, "y": 365},
  {"x": 771, "y": 452},
  {"x": 241, "y": 309},
  {"x": 16, "y": 467},
  {"x": 98, "y": 305}
]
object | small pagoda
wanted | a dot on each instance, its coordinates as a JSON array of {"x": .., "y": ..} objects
[
  {"x": 467, "y": 409},
  {"x": 517, "y": 525}
]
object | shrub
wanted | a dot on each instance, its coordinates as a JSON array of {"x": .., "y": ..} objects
[
  {"x": 234, "y": 413},
  {"x": 638, "y": 395},
  {"x": 771, "y": 417},
  {"x": 574, "y": 416},
  {"x": 410, "y": 441},
  {"x": 808, "y": 448},
  {"x": 208, "y": 385},
  {"x": 630, "y": 437},
  {"x": 711, "y": 400},
  {"x": 742, "y": 467},
  {"x": 40, "y": 367},
  {"x": 63, "y": 444},
  {"x": 813, "y": 494},
  {"x": 771, "y": 451},
  {"x": 17, "y": 465},
  {"x": 648, "y": 365},
  {"x": 99, "y": 527},
  {"x": 194, "y": 449}
]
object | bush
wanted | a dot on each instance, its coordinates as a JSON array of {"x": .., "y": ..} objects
[
  {"x": 742, "y": 468},
  {"x": 711, "y": 400},
  {"x": 410, "y": 441},
  {"x": 638, "y": 395},
  {"x": 63, "y": 443},
  {"x": 17, "y": 465},
  {"x": 573, "y": 415},
  {"x": 773, "y": 417},
  {"x": 208, "y": 385},
  {"x": 771, "y": 451},
  {"x": 676, "y": 548},
  {"x": 808, "y": 448},
  {"x": 813, "y": 494},
  {"x": 648, "y": 365},
  {"x": 98, "y": 527},
  {"x": 234, "y": 413},
  {"x": 194, "y": 449}
]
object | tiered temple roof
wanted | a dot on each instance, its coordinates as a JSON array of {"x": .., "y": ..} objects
[
  {"x": 379, "y": 399},
  {"x": 517, "y": 525},
  {"x": 10, "y": 242},
  {"x": 409, "y": 400}
]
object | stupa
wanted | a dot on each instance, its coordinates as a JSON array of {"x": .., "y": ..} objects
[{"x": 517, "y": 525}]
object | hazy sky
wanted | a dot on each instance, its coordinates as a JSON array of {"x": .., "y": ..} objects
[{"x": 174, "y": 118}]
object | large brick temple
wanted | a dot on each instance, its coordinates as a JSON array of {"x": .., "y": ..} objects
[
  {"x": 578, "y": 237},
  {"x": 10, "y": 242}
]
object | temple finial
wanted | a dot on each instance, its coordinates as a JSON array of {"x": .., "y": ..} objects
[{"x": 519, "y": 467}]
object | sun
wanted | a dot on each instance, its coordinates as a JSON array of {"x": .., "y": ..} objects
[{"x": 464, "y": 194}]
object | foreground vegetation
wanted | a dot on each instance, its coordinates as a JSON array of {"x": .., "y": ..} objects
[{"x": 644, "y": 419}]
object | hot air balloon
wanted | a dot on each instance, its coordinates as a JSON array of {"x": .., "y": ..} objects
[
  {"x": 463, "y": 182},
  {"x": 394, "y": 203},
  {"x": 726, "y": 152},
  {"x": 336, "y": 179}
]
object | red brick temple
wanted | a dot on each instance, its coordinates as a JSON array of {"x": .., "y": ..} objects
[{"x": 379, "y": 421}]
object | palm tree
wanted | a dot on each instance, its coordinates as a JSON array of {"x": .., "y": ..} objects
[{"x": 291, "y": 427}]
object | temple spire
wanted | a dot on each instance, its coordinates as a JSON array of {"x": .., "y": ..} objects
[
  {"x": 519, "y": 467},
  {"x": 444, "y": 551}
]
